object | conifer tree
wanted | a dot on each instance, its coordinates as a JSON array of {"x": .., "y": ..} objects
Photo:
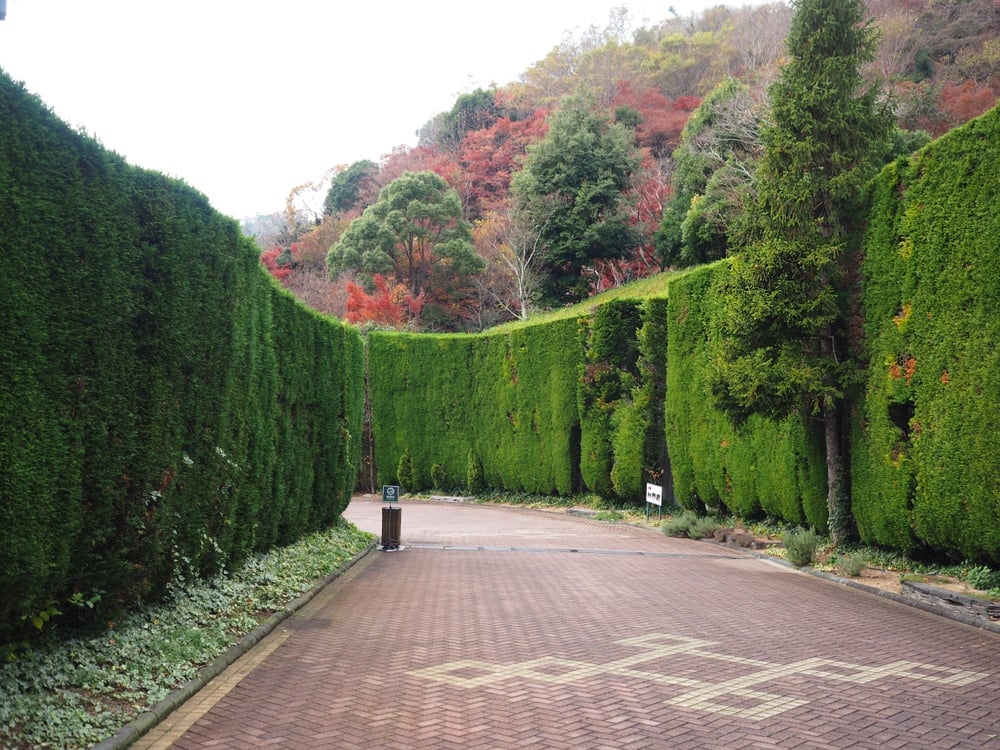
[
  {"x": 572, "y": 188},
  {"x": 777, "y": 334}
]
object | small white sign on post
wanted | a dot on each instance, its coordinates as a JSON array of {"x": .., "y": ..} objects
[{"x": 654, "y": 496}]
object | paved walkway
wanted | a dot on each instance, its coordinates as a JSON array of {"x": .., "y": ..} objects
[{"x": 504, "y": 628}]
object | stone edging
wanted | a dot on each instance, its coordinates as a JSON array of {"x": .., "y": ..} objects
[
  {"x": 951, "y": 614},
  {"x": 156, "y": 713},
  {"x": 933, "y": 609}
]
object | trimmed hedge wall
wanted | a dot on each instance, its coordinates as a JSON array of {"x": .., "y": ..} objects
[
  {"x": 165, "y": 408},
  {"x": 506, "y": 401},
  {"x": 777, "y": 469},
  {"x": 924, "y": 458},
  {"x": 566, "y": 406},
  {"x": 588, "y": 403},
  {"x": 926, "y": 455}
]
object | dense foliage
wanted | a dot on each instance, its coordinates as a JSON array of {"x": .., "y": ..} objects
[
  {"x": 165, "y": 408},
  {"x": 778, "y": 337},
  {"x": 938, "y": 61},
  {"x": 761, "y": 467},
  {"x": 926, "y": 456},
  {"x": 584, "y": 400},
  {"x": 542, "y": 408},
  {"x": 572, "y": 187},
  {"x": 506, "y": 399},
  {"x": 75, "y": 690},
  {"x": 713, "y": 176},
  {"x": 415, "y": 231}
]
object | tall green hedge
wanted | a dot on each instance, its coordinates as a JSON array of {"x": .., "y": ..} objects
[
  {"x": 570, "y": 405},
  {"x": 607, "y": 377},
  {"x": 508, "y": 400},
  {"x": 926, "y": 454},
  {"x": 594, "y": 402},
  {"x": 765, "y": 467},
  {"x": 165, "y": 408}
]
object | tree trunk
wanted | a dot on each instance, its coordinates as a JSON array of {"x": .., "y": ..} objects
[
  {"x": 837, "y": 501},
  {"x": 367, "y": 471}
]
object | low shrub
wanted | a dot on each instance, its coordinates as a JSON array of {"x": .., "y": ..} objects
[
  {"x": 704, "y": 527},
  {"x": 801, "y": 546},
  {"x": 474, "y": 480},
  {"x": 439, "y": 477},
  {"x": 405, "y": 474},
  {"x": 679, "y": 525},
  {"x": 982, "y": 578},
  {"x": 689, "y": 524}
]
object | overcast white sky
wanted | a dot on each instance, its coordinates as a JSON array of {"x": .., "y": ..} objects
[{"x": 244, "y": 99}]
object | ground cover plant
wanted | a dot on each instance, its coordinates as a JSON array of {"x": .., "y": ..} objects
[{"x": 74, "y": 690}]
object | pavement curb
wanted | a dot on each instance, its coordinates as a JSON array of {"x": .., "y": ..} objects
[
  {"x": 156, "y": 713},
  {"x": 962, "y": 617},
  {"x": 976, "y": 622}
]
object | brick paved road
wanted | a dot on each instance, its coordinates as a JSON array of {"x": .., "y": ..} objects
[{"x": 503, "y": 628}]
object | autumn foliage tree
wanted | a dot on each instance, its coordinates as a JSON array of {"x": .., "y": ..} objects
[
  {"x": 660, "y": 121},
  {"x": 490, "y": 157},
  {"x": 415, "y": 235},
  {"x": 386, "y": 306},
  {"x": 940, "y": 59},
  {"x": 280, "y": 262}
]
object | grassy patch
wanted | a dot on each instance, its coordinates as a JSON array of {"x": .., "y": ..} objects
[
  {"x": 850, "y": 564},
  {"x": 74, "y": 691},
  {"x": 650, "y": 286},
  {"x": 615, "y": 516}
]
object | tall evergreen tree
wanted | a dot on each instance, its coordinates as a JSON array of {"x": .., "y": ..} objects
[
  {"x": 572, "y": 186},
  {"x": 347, "y": 186},
  {"x": 778, "y": 331}
]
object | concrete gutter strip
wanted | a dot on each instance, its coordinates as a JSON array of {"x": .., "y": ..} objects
[{"x": 156, "y": 713}]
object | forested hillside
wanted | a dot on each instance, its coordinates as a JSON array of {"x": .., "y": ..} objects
[{"x": 624, "y": 151}]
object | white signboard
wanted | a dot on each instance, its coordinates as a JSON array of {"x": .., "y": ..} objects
[{"x": 654, "y": 494}]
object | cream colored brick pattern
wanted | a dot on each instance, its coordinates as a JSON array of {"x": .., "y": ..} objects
[{"x": 734, "y": 697}]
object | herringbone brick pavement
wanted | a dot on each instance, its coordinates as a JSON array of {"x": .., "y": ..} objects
[{"x": 505, "y": 628}]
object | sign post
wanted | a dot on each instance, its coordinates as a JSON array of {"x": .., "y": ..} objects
[{"x": 654, "y": 496}]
